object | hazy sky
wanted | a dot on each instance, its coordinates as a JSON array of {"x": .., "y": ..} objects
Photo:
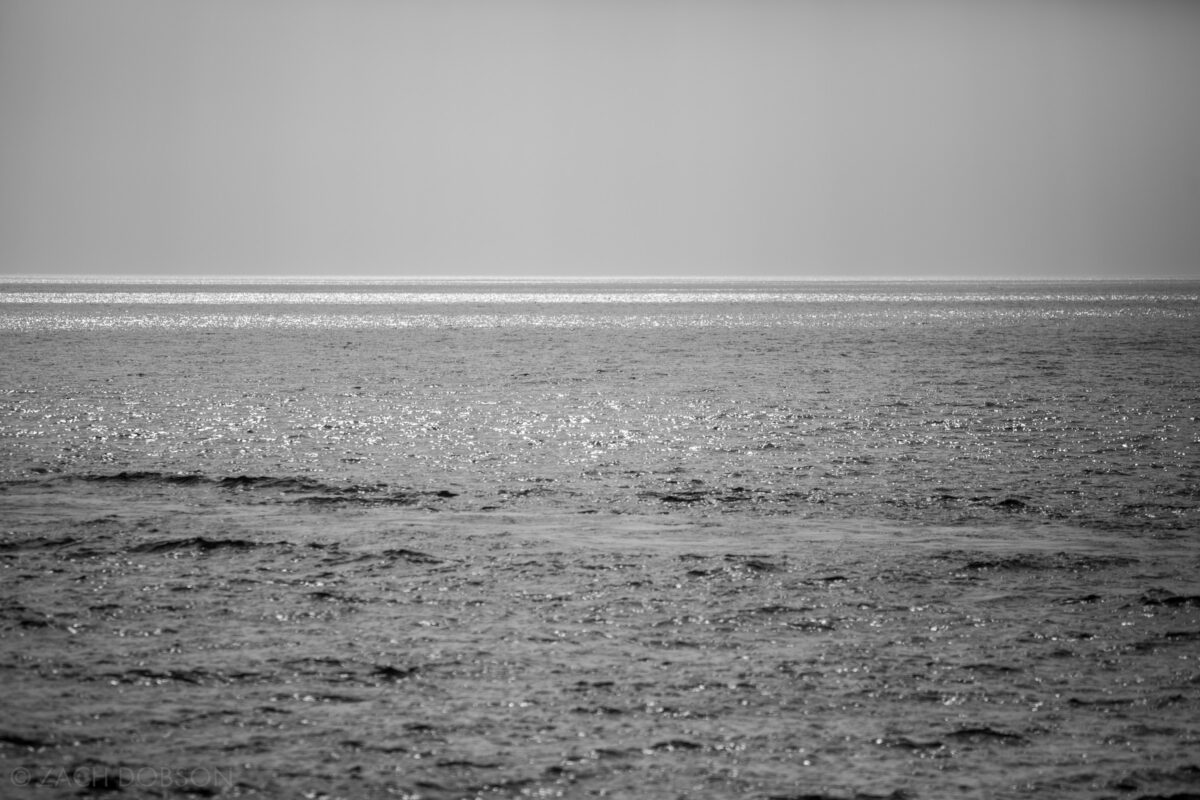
[{"x": 725, "y": 138}]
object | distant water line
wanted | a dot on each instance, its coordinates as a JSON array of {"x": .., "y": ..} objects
[{"x": 558, "y": 297}]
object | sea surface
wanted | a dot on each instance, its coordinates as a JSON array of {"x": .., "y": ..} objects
[{"x": 646, "y": 538}]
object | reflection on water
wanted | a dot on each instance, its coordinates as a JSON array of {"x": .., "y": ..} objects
[
  {"x": 953, "y": 408},
  {"x": 46, "y": 306},
  {"x": 845, "y": 541}
]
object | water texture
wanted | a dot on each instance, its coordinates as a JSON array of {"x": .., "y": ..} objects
[
  {"x": 650, "y": 539},
  {"x": 1080, "y": 405}
]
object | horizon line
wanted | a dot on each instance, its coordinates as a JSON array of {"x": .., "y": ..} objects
[{"x": 472, "y": 279}]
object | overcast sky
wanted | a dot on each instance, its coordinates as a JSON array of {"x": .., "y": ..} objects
[{"x": 723, "y": 138}]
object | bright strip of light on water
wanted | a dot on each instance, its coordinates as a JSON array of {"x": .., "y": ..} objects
[{"x": 502, "y": 298}]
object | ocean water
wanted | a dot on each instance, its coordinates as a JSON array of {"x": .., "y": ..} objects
[
  {"x": 922, "y": 402},
  {"x": 661, "y": 538}
]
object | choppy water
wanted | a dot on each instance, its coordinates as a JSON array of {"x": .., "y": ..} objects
[
  {"x": 911, "y": 540},
  {"x": 924, "y": 402}
]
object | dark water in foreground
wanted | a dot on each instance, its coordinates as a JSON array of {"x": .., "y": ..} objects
[{"x": 761, "y": 540}]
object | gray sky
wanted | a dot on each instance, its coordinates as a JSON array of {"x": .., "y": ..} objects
[{"x": 724, "y": 138}]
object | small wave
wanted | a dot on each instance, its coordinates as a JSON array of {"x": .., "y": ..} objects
[
  {"x": 1169, "y": 599},
  {"x": 985, "y": 734},
  {"x": 201, "y": 543},
  {"x": 1056, "y": 561},
  {"x": 297, "y": 489}
]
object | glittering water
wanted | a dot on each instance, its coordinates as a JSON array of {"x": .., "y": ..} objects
[
  {"x": 926, "y": 402},
  {"x": 554, "y": 539}
]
